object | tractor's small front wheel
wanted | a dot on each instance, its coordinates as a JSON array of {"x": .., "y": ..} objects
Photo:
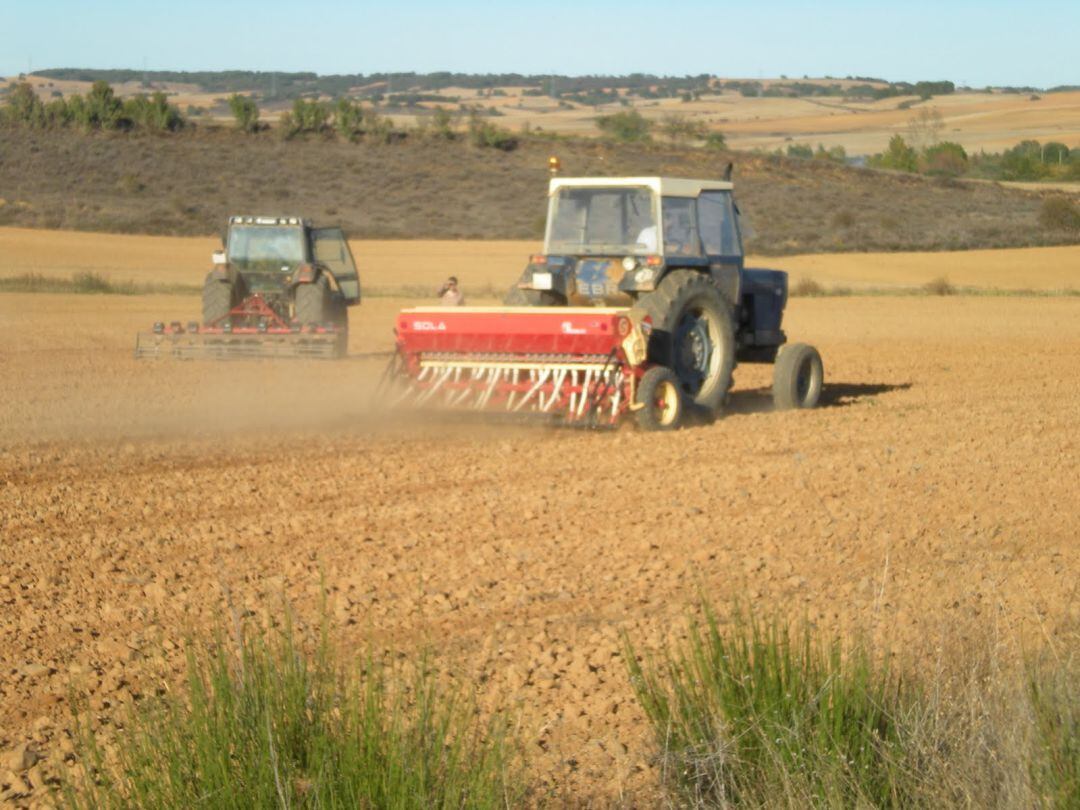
[
  {"x": 798, "y": 377},
  {"x": 660, "y": 398}
]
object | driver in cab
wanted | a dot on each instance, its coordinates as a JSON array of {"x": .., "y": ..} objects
[{"x": 679, "y": 237}]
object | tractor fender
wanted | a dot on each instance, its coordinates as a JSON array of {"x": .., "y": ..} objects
[
  {"x": 310, "y": 273},
  {"x": 305, "y": 274}
]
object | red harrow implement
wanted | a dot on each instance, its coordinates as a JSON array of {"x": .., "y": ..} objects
[
  {"x": 250, "y": 329},
  {"x": 577, "y": 366}
]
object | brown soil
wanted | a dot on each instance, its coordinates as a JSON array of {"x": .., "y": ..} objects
[{"x": 932, "y": 499}]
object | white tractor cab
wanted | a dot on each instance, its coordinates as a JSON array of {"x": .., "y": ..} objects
[{"x": 671, "y": 249}]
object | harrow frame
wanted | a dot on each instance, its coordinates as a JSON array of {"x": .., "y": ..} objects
[{"x": 251, "y": 329}]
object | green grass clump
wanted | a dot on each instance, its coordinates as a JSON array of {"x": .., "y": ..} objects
[
  {"x": 262, "y": 724},
  {"x": 753, "y": 714},
  {"x": 1055, "y": 760}
]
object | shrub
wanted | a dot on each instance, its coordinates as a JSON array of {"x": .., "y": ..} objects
[
  {"x": 23, "y": 107},
  {"x": 626, "y": 126},
  {"x": 1059, "y": 214},
  {"x": 801, "y": 151},
  {"x": 1024, "y": 162},
  {"x": 807, "y": 287},
  {"x": 679, "y": 129},
  {"x": 899, "y": 156},
  {"x": 486, "y": 135},
  {"x": 154, "y": 113},
  {"x": 843, "y": 219},
  {"x": 245, "y": 112},
  {"x": 939, "y": 286},
  {"x": 836, "y": 154},
  {"x": 58, "y": 114},
  {"x": 307, "y": 116},
  {"x": 945, "y": 159},
  {"x": 265, "y": 725},
  {"x": 103, "y": 110},
  {"x": 716, "y": 140},
  {"x": 1055, "y": 152},
  {"x": 348, "y": 118},
  {"x": 442, "y": 124}
]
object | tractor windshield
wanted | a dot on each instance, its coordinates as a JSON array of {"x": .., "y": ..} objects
[
  {"x": 265, "y": 247},
  {"x": 591, "y": 221}
]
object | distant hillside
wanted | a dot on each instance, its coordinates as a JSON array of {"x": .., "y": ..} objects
[
  {"x": 189, "y": 183},
  {"x": 285, "y": 84}
]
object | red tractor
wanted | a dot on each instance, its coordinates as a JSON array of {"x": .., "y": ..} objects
[{"x": 280, "y": 288}]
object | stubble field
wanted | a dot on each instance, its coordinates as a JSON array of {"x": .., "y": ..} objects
[{"x": 930, "y": 503}]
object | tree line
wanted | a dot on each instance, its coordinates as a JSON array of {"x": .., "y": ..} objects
[{"x": 99, "y": 109}]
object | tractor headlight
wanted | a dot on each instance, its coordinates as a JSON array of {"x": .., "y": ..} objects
[
  {"x": 542, "y": 281},
  {"x": 629, "y": 263}
]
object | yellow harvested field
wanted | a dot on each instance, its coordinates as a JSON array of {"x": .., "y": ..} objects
[
  {"x": 1045, "y": 268},
  {"x": 976, "y": 120},
  {"x": 184, "y": 260},
  {"x": 389, "y": 264}
]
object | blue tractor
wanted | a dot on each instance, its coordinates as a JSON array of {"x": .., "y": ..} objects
[{"x": 671, "y": 250}]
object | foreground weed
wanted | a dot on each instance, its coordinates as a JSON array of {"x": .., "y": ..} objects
[
  {"x": 265, "y": 725},
  {"x": 1055, "y": 761},
  {"x": 754, "y": 714}
]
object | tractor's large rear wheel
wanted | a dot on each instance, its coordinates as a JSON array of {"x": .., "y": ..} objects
[
  {"x": 693, "y": 335},
  {"x": 315, "y": 304},
  {"x": 218, "y": 297}
]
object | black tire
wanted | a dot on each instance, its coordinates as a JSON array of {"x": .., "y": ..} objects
[
  {"x": 341, "y": 323},
  {"x": 660, "y": 396},
  {"x": 313, "y": 303},
  {"x": 693, "y": 335},
  {"x": 218, "y": 297},
  {"x": 798, "y": 377},
  {"x": 518, "y": 297}
]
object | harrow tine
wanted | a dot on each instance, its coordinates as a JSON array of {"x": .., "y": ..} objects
[
  {"x": 496, "y": 375},
  {"x": 540, "y": 380}
]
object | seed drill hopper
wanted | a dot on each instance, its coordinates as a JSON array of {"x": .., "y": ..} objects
[{"x": 581, "y": 366}]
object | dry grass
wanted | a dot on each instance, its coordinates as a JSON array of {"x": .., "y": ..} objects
[
  {"x": 422, "y": 188},
  {"x": 770, "y": 714}
]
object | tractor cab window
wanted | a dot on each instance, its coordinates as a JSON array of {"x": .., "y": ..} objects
[
  {"x": 599, "y": 221},
  {"x": 332, "y": 250},
  {"x": 263, "y": 247},
  {"x": 719, "y": 231},
  {"x": 680, "y": 227}
]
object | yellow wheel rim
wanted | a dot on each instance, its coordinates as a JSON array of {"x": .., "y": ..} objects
[{"x": 667, "y": 403}]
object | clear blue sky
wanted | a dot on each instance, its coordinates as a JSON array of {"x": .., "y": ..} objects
[{"x": 989, "y": 42}]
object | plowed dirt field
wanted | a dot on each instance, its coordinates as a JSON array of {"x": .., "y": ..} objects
[{"x": 932, "y": 501}]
